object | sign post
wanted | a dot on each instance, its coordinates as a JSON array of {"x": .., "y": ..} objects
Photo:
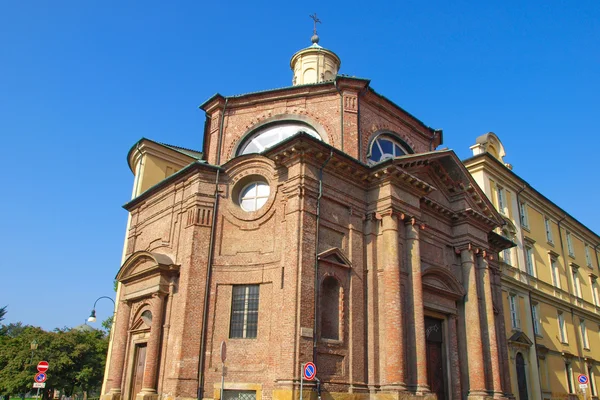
[
  {"x": 40, "y": 377},
  {"x": 583, "y": 383},
  {"x": 223, "y": 358},
  {"x": 309, "y": 372}
]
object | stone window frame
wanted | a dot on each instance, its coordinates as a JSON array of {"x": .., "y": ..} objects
[
  {"x": 554, "y": 270},
  {"x": 570, "y": 248},
  {"x": 279, "y": 119},
  {"x": 548, "y": 228},
  {"x": 537, "y": 325},
  {"x": 245, "y": 312},
  {"x": 256, "y": 198},
  {"x": 513, "y": 308},
  {"x": 394, "y": 138},
  {"x": 562, "y": 327},
  {"x": 524, "y": 217},
  {"x": 585, "y": 340}
]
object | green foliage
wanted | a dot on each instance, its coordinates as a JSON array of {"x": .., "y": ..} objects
[
  {"x": 76, "y": 358},
  {"x": 2, "y": 313},
  {"x": 107, "y": 324}
]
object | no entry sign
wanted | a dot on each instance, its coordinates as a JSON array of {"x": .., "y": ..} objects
[{"x": 42, "y": 366}]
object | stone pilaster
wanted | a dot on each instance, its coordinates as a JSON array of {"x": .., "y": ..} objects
[
  {"x": 114, "y": 382},
  {"x": 476, "y": 374},
  {"x": 454, "y": 358},
  {"x": 392, "y": 304},
  {"x": 486, "y": 285},
  {"x": 153, "y": 350},
  {"x": 413, "y": 258}
]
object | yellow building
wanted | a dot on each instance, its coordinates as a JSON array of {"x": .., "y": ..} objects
[{"x": 549, "y": 284}]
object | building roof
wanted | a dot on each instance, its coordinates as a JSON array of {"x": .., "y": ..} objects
[
  {"x": 188, "y": 152},
  {"x": 338, "y": 77}
]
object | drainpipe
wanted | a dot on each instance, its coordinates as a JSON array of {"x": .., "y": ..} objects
[
  {"x": 221, "y": 133},
  {"x": 341, "y": 113},
  {"x": 211, "y": 245},
  {"x": 317, "y": 256}
]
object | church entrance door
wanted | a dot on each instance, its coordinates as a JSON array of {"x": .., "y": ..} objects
[
  {"x": 138, "y": 369},
  {"x": 436, "y": 371}
]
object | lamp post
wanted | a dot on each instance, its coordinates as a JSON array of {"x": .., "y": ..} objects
[
  {"x": 33, "y": 346},
  {"x": 92, "y": 317}
]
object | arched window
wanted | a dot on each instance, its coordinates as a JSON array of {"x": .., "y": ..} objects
[
  {"x": 330, "y": 308},
  {"x": 385, "y": 147},
  {"x": 269, "y": 135}
]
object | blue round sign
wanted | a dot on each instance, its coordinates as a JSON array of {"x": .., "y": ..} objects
[
  {"x": 40, "y": 377},
  {"x": 310, "y": 371},
  {"x": 583, "y": 379}
]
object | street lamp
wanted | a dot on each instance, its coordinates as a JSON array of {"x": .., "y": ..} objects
[
  {"x": 92, "y": 317},
  {"x": 33, "y": 346}
]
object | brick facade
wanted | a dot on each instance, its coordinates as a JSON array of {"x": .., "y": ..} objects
[{"x": 403, "y": 239}]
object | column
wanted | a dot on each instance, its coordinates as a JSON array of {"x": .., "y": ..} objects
[
  {"x": 413, "y": 258},
  {"x": 473, "y": 327},
  {"x": 153, "y": 349},
  {"x": 115, "y": 372},
  {"x": 392, "y": 304},
  {"x": 486, "y": 284},
  {"x": 454, "y": 359}
]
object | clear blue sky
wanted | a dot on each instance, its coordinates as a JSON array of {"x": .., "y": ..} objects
[{"x": 82, "y": 81}]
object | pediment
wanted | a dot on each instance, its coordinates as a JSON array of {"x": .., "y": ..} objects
[
  {"x": 439, "y": 280},
  {"x": 457, "y": 192},
  {"x": 520, "y": 339},
  {"x": 143, "y": 264},
  {"x": 336, "y": 257}
]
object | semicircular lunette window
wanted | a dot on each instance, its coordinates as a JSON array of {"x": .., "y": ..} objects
[
  {"x": 254, "y": 195},
  {"x": 384, "y": 147},
  {"x": 270, "y": 135}
]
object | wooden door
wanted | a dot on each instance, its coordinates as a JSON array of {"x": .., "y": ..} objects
[
  {"x": 436, "y": 371},
  {"x": 521, "y": 377},
  {"x": 138, "y": 369}
]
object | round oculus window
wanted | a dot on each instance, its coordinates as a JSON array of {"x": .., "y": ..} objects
[
  {"x": 254, "y": 195},
  {"x": 270, "y": 135}
]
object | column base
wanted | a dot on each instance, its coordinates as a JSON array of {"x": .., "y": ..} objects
[
  {"x": 479, "y": 395},
  {"x": 420, "y": 390},
  {"x": 113, "y": 394},
  {"x": 393, "y": 387},
  {"x": 147, "y": 394}
]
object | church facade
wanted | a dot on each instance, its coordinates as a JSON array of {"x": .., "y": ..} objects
[{"x": 319, "y": 224}]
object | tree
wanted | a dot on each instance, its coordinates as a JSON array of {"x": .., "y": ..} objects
[
  {"x": 2, "y": 313},
  {"x": 17, "y": 367},
  {"x": 76, "y": 358}
]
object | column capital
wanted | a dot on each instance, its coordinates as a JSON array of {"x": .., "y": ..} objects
[{"x": 472, "y": 248}]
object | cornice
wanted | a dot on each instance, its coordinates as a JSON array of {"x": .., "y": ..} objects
[{"x": 530, "y": 195}]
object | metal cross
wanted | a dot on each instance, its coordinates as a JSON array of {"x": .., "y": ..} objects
[{"x": 315, "y": 19}]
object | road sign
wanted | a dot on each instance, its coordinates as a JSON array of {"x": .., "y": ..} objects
[
  {"x": 583, "y": 386},
  {"x": 42, "y": 366},
  {"x": 583, "y": 379},
  {"x": 39, "y": 385},
  {"x": 223, "y": 351},
  {"x": 309, "y": 371},
  {"x": 40, "y": 377}
]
